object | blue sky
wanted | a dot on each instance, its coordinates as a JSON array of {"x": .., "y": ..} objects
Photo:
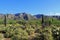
[{"x": 48, "y": 7}]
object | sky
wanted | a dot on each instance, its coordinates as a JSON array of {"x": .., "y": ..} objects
[{"x": 47, "y": 7}]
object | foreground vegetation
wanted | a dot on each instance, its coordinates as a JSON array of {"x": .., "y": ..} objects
[{"x": 30, "y": 30}]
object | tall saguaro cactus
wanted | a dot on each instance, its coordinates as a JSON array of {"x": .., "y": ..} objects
[
  {"x": 42, "y": 20},
  {"x": 5, "y": 20}
]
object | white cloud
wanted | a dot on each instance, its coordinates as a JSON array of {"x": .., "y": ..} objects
[
  {"x": 58, "y": 14},
  {"x": 52, "y": 14}
]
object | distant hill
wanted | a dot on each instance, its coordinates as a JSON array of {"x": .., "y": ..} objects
[{"x": 38, "y": 16}]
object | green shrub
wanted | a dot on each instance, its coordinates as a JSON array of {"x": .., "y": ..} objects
[
  {"x": 20, "y": 35},
  {"x": 1, "y": 36}
]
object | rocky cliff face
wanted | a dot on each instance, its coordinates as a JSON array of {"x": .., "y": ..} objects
[
  {"x": 10, "y": 16},
  {"x": 23, "y": 16}
]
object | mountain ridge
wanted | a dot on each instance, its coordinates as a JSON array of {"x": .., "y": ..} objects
[{"x": 25, "y": 16}]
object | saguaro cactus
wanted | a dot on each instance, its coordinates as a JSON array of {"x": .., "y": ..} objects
[
  {"x": 42, "y": 20},
  {"x": 5, "y": 20}
]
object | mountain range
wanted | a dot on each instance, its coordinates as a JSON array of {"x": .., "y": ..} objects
[{"x": 25, "y": 16}]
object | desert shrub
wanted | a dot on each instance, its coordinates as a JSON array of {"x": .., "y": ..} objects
[
  {"x": 20, "y": 35},
  {"x": 56, "y": 33},
  {"x": 9, "y": 31},
  {"x": 56, "y": 22},
  {"x": 16, "y": 33},
  {"x": 21, "y": 22},
  {"x": 11, "y": 21},
  {"x": 1, "y": 21},
  {"x": 47, "y": 36},
  {"x": 1, "y": 36}
]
